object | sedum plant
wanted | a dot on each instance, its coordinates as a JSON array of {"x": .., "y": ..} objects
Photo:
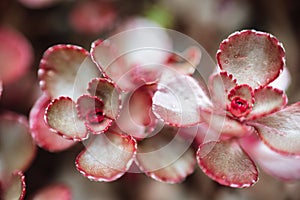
[
  {"x": 107, "y": 106},
  {"x": 247, "y": 120},
  {"x": 141, "y": 110}
]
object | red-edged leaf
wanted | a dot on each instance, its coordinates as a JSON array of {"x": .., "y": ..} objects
[
  {"x": 66, "y": 70},
  {"x": 98, "y": 128},
  {"x": 178, "y": 100},
  {"x": 61, "y": 115},
  {"x": 267, "y": 100},
  {"x": 107, "y": 92},
  {"x": 220, "y": 85},
  {"x": 107, "y": 157},
  {"x": 86, "y": 103},
  {"x": 278, "y": 165},
  {"x": 136, "y": 117},
  {"x": 41, "y": 133},
  {"x": 165, "y": 157},
  {"x": 280, "y": 131},
  {"x": 127, "y": 54},
  {"x": 243, "y": 91},
  {"x": 17, "y": 149},
  {"x": 226, "y": 163},
  {"x": 223, "y": 125},
  {"x": 15, "y": 55},
  {"x": 252, "y": 57},
  {"x": 241, "y": 101},
  {"x": 92, "y": 17},
  {"x": 54, "y": 192},
  {"x": 91, "y": 109},
  {"x": 187, "y": 62},
  {"x": 113, "y": 65},
  {"x": 15, "y": 188}
]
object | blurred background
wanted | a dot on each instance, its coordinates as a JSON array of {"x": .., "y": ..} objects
[{"x": 43, "y": 23}]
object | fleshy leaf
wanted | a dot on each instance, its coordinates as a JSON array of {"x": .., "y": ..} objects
[
  {"x": 223, "y": 124},
  {"x": 90, "y": 109},
  {"x": 280, "y": 131},
  {"x": 226, "y": 163},
  {"x": 17, "y": 149},
  {"x": 128, "y": 56},
  {"x": 136, "y": 117},
  {"x": 267, "y": 100},
  {"x": 178, "y": 100},
  {"x": 16, "y": 187},
  {"x": 274, "y": 163},
  {"x": 243, "y": 91},
  {"x": 98, "y": 128},
  {"x": 187, "y": 62},
  {"x": 66, "y": 70},
  {"x": 54, "y": 192},
  {"x": 61, "y": 115},
  {"x": 107, "y": 92},
  {"x": 108, "y": 59},
  {"x": 220, "y": 85},
  {"x": 252, "y": 57},
  {"x": 86, "y": 103},
  {"x": 107, "y": 157},
  {"x": 41, "y": 133},
  {"x": 16, "y": 55},
  {"x": 165, "y": 157},
  {"x": 241, "y": 101}
]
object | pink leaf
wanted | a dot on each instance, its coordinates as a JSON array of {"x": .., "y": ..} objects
[
  {"x": 223, "y": 125},
  {"x": 136, "y": 117},
  {"x": 112, "y": 64},
  {"x": 226, "y": 163},
  {"x": 41, "y": 133},
  {"x": 280, "y": 131},
  {"x": 278, "y": 165},
  {"x": 107, "y": 157},
  {"x": 267, "y": 100},
  {"x": 187, "y": 62},
  {"x": 178, "y": 100},
  {"x": 241, "y": 101},
  {"x": 65, "y": 70},
  {"x": 61, "y": 115},
  {"x": 253, "y": 58},
  {"x": 220, "y": 85},
  {"x": 107, "y": 92},
  {"x": 128, "y": 56},
  {"x": 15, "y": 187},
  {"x": 98, "y": 128},
  {"x": 91, "y": 109},
  {"x": 86, "y": 103},
  {"x": 54, "y": 192},
  {"x": 166, "y": 158},
  {"x": 17, "y": 147},
  {"x": 16, "y": 55}
]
